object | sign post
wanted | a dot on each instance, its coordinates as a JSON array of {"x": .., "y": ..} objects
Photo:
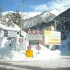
[
  {"x": 21, "y": 43},
  {"x": 21, "y": 40},
  {"x": 29, "y": 52},
  {"x": 29, "y": 47},
  {"x": 38, "y": 48}
]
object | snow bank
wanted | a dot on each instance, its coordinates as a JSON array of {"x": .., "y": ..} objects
[
  {"x": 43, "y": 54},
  {"x": 7, "y": 53}
]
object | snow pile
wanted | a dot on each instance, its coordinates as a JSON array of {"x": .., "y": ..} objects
[
  {"x": 46, "y": 53},
  {"x": 18, "y": 56},
  {"x": 8, "y": 53},
  {"x": 43, "y": 54},
  {"x": 5, "y": 50}
]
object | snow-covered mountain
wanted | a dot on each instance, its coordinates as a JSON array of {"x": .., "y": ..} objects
[
  {"x": 43, "y": 17},
  {"x": 29, "y": 19},
  {"x": 36, "y": 20}
]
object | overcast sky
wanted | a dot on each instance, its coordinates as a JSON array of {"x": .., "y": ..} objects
[{"x": 33, "y": 5}]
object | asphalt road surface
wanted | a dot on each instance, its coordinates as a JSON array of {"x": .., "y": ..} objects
[
  {"x": 36, "y": 68},
  {"x": 55, "y": 64}
]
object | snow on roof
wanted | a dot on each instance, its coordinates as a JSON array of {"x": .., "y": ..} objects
[{"x": 10, "y": 28}]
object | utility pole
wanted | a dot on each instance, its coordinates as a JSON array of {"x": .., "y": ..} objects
[
  {"x": 21, "y": 25},
  {"x": 21, "y": 15}
]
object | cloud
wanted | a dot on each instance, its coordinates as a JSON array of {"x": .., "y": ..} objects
[
  {"x": 59, "y": 6},
  {"x": 42, "y": 7},
  {"x": 52, "y": 5},
  {"x": 59, "y": 3}
]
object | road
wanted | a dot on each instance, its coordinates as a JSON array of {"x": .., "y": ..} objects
[{"x": 54, "y": 64}]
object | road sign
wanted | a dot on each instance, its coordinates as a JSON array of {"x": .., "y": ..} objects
[
  {"x": 29, "y": 53},
  {"x": 12, "y": 33},
  {"x": 34, "y": 36},
  {"x": 29, "y": 47},
  {"x": 38, "y": 47},
  {"x": 52, "y": 37},
  {"x": 21, "y": 40},
  {"x": 21, "y": 43},
  {"x": 33, "y": 31}
]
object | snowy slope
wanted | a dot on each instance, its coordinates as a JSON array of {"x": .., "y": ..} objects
[
  {"x": 27, "y": 15},
  {"x": 59, "y": 10},
  {"x": 55, "y": 11},
  {"x": 4, "y": 13}
]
